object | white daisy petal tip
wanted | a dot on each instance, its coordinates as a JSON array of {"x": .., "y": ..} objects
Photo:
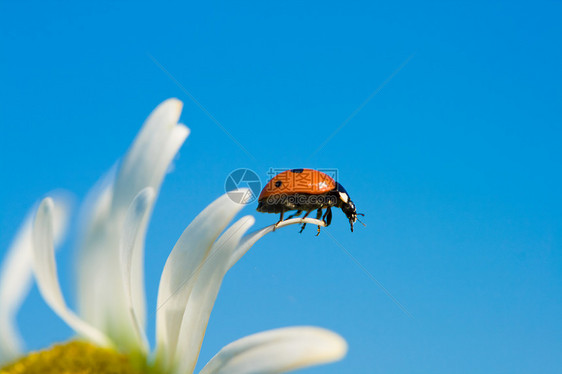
[
  {"x": 330, "y": 345},
  {"x": 183, "y": 130},
  {"x": 46, "y": 207},
  {"x": 56, "y": 208},
  {"x": 173, "y": 103},
  {"x": 168, "y": 112},
  {"x": 143, "y": 200},
  {"x": 278, "y": 351}
]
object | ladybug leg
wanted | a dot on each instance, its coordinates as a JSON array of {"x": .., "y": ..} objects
[
  {"x": 298, "y": 213},
  {"x": 280, "y": 220},
  {"x": 318, "y": 215},
  {"x": 304, "y": 224},
  {"x": 328, "y": 216}
]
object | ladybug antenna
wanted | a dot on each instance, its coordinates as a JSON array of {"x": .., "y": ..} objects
[{"x": 361, "y": 222}]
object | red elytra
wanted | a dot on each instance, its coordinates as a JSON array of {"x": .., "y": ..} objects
[{"x": 298, "y": 181}]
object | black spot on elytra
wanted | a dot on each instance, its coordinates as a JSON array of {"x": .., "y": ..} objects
[
  {"x": 298, "y": 171},
  {"x": 278, "y": 184}
]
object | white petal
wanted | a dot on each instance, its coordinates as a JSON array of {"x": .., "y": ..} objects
[
  {"x": 278, "y": 351},
  {"x": 205, "y": 290},
  {"x": 135, "y": 219},
  {"x": 144, "y": 166},
  {"x": 173, "y": 144},
  {"x": 46, "y": 273},
  {"x": 95, "y": 240},
  {"x": 147, "y": 158},
  {"x": 183, "y": 264},
  {"x": 249, "y": 240},
  {"x": 176, "y": 137},
  {"x": 15, "y": 281},
  {"x": 16, "y": 276}
]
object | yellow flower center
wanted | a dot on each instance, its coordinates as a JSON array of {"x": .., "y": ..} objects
[{"x": 75, "y": 358}]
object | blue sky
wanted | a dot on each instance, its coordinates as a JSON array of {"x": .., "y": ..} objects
[{"x": 455, "y": 160}]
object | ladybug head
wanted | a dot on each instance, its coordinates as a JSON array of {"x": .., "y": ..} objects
[{"x": 347, "y": 206}]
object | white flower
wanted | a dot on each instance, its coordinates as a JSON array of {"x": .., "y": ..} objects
[{"x": 111, "y": 298}]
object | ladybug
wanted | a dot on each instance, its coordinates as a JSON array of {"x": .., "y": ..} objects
[{"x": 306, "y": 190}]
